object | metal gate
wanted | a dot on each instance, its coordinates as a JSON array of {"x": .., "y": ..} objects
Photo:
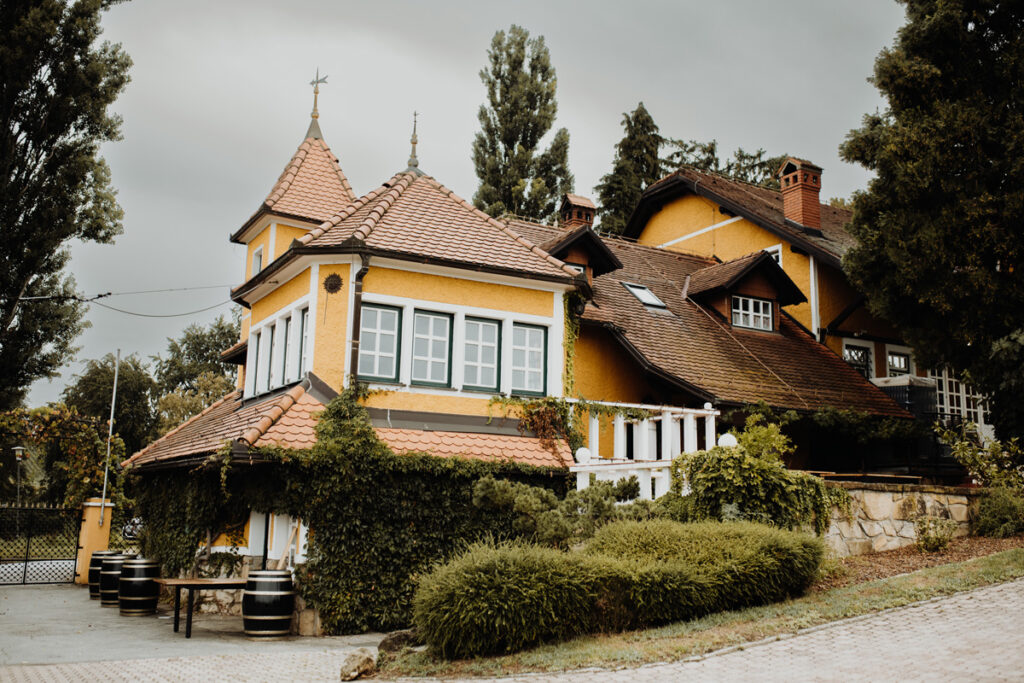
[{"x": 38, "y": 544}]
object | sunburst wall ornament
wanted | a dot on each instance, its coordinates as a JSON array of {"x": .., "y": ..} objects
[{"x": 332, "y": 283}]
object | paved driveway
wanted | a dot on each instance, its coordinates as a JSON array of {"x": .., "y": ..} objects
[{"x": 975, "y": 636}]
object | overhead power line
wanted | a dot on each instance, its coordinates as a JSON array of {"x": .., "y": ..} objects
[{"x": 168, "y": 315}]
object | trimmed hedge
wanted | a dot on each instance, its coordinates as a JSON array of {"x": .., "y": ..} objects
[{"x": 503, "y": 598}]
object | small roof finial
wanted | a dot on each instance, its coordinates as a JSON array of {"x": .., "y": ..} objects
[
  {"x": 414, "y": 163},
  {"x": 314, "y": 126}
]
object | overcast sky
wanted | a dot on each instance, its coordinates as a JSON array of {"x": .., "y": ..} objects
[{"x": 220, "y": 99}]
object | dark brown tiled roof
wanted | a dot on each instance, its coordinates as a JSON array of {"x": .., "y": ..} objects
[
  {"x": 312, "y": 186},
  {"x": 414, "y": 214},
  {"x": 759, "y": 203},
  {"x": 727, "y": 275},
  {"x": 694, "y": 345},
  {"x": 720, "y": 274}
]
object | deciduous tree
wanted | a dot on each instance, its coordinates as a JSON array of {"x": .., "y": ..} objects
[
  {"x": 940, "y": 227},
  {"x": 636, "y": 165},
  {"x": 56, "y": 86},
  {"x": 756, "y": 168},
  {"x": 134, "y": 414},
  {"x": 195, "y": 352},
  {"x": 514, "y": 176}
]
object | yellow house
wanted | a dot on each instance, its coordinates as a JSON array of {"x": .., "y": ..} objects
[
  {"x": 706, "y": 214},
  {"x": 440, "y": 308}
]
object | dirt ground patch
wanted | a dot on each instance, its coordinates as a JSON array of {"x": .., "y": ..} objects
[{"x": 863, "y": 568}]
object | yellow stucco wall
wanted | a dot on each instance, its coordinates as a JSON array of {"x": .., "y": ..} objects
[
  {"x": 284, "y": 236},
  {"x": 261, "y": 240},
  {"x": 681, "y": 217},
  {"x": 331, "y": 327},
  {"x": 450, "y": 290},
  {"x": 279, "y": 298},
  {"x": 455, "y": 405},
  {"x": 605, "y": 373}
]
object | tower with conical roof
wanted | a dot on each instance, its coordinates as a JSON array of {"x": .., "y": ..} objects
[{"x": 310, "y": 190}]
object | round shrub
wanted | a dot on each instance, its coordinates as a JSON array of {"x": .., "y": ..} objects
[
  {"x": 503, "y": 598},
  {"x": 1000, "y": 513}
]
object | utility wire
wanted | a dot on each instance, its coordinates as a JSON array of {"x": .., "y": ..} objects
[
  {"x": 106, "y": 294},
  {"x": 169, "y": 315}
]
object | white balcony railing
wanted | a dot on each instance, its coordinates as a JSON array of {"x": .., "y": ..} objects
[{"x": 642, "y": 447}]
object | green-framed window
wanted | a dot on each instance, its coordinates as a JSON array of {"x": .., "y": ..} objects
[
  {"x": 380, "y": 336},
  {"x": 529, "y": 359},
  {"x": 481, "y": 368},
  {"x": 431, "y": 348}
]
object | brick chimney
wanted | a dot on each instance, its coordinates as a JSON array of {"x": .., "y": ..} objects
[
  {"x": 576, "y": 211},
  {"x": 801, "y": 185}
]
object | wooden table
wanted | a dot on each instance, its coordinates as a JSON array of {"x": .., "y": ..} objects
[{"x": 193, "y": 585}]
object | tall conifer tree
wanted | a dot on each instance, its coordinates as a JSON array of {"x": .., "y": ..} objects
[
  {"x": 520, "y": 110},
  {"x": 636, "y": 165},
  {"x": 941, "y": 226}
]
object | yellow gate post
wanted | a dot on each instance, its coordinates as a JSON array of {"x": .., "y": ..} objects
[{"x": 92, "y": 536}]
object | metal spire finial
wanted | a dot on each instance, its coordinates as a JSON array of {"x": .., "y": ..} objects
[
  {"x": 413, "y": 161},
  {"x": 316, "y": 90}
]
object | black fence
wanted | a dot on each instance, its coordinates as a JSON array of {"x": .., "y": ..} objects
[{"x": 38, "y": 544}]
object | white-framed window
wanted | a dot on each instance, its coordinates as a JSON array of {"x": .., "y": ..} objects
[
  {"x": 482, "y": 354},
  {"x": 859, "y": 357},
  {"x": 897, "y": 363},
  {"x": 776, "y": 253},
  {"x": 529, "y": 359},
  {"x": 257, "y": 338},
  {"x": 257, "y": 261},
  {"x": 286, "y": 349},
  {"x": 645, "y": 295},
  {"x": 753, "y": 313},
  {"x": 578, "y": 267},
  {"x": 379, "y": 334},
  {"x": 272, "y": 343},
  {"x": 431, "y": 348},
  {"x": 303, "y": 340},
  {"x": 954, "y": 398}
]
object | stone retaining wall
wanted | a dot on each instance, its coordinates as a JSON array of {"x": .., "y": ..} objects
[{"x": 882, "y": 515}]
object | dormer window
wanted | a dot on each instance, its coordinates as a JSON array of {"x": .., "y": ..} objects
[
  {"x": 776, "y": 253},
  {"x": 646, "y": 296},
  {"x": 753, "y": 313},
  {"x": 578, "y": 267},
  {"x": 257, "y": 261}
]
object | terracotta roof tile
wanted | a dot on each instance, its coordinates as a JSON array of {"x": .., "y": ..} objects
[
  {"x": 312, "y": 185},
  {"x": 492, "y": 447},
  {"x": 289, "y": 420},
  {"x": 577, "y": 200},
  {"x": 414, "y": 214},
  {"x": 719, "y": 274}
]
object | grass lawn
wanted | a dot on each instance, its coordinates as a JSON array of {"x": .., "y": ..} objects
[{"x": 686, "y": 639}]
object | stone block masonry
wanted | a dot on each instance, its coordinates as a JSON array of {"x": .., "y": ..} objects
[{"x": 882, "y": 516}]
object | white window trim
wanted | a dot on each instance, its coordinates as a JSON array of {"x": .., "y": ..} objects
[
  {"x": 896, "y": 348},
  {"x": 450, "y": 321},
  {"x": 256, "y": 382},
  {"x": 555, "y": 325},
  {"x": 776, "y": 252},
  {"x": 257, "y": 253},
  {"x": 771, "y": 312},
  {"x": 479, "y": 386},
  {"x": 401, "y": 321},
  {"x": 526, "y": 368}
]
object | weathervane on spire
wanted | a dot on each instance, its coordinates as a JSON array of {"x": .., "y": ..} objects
[
  {"x": 413, "y": 161},
  {"x": 316, "y": 90}
]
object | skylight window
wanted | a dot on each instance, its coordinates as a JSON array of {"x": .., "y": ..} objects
[{"x": 646, "y": 296}]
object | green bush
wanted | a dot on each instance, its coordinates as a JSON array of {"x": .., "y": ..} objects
[
  {"x": 503, "y": 598},
  {"x": 1000, "y": 513},
  {"x": 729, "y": 483},
  {"x": 934, "y": 533}
]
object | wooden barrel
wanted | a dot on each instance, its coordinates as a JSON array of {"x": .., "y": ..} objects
[
  {"x": 267, "y": 603},
  {"x": 138, "y": 592},
  {"x": 95, "y": 564},
  {"x": 110, "y": 579}
]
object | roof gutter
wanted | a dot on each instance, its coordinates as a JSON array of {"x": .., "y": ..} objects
[{"x": 357, "y": 313}]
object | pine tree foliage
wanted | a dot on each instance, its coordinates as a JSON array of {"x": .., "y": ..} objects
[
  {"x": 940, "y": 227},
  {"x": 756, "y": 168},
  {"x": 636, "y": 165},
  {"x": 514, "y": 176},
  {"x": 56, "y": 86}
]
